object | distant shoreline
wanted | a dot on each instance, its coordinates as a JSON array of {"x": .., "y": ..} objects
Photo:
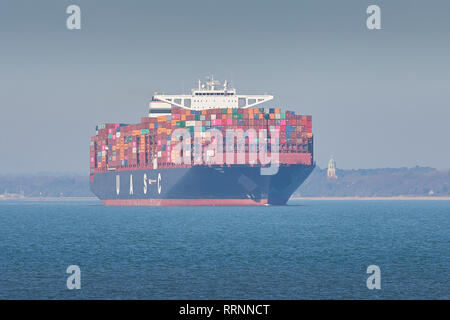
[
  {"x": 374, "y": 198},
  {"x": 62, "y": 199}
]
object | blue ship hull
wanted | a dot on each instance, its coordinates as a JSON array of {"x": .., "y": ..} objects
[{"x": 198, "y": 185}]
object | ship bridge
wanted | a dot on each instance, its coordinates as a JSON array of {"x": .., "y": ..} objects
[{"x": 211, "y": 94}]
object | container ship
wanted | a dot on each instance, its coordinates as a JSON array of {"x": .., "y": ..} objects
[{"x": 210, "y": 147}]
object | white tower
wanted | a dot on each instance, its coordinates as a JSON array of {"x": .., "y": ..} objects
[{"x": 331, "y": 172}]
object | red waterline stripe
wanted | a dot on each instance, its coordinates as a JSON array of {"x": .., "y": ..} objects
[{"x": 184, "y": 202}]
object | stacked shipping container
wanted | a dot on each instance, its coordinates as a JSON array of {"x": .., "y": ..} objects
[{"x": 119, "y": 146}]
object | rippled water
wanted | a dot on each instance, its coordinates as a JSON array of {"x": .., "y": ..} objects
[{"x": 307, "y": 250}]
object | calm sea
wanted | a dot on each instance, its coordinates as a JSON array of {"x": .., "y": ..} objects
[{"x": 307, "y": 250}]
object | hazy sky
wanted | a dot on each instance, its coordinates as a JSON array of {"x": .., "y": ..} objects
[{"x": 378, "y": 98}]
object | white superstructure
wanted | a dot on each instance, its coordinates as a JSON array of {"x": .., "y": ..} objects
[{"x": 209, "y": 95}]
